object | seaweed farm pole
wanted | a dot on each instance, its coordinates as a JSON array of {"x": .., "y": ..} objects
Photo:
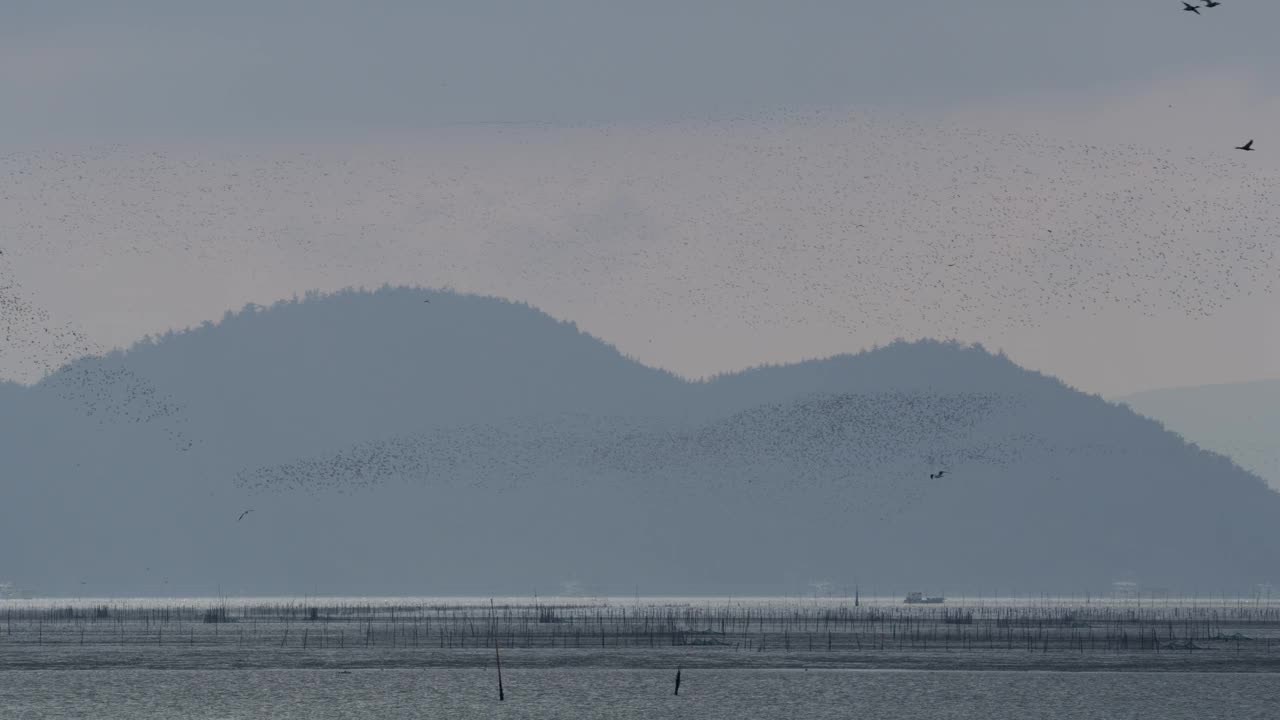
[{"x": 498, "y": 658}]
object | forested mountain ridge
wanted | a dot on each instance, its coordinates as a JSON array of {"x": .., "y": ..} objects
[{"x": 412, "y": 441}]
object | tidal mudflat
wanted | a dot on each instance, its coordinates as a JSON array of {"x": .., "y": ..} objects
[{"x": 573, "y": 657}]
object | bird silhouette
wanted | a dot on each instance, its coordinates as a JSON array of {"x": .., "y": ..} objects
[
  {"x": 1247, "y": 146},
  {"x": 1188, "y": 7},
  {"x": 246, "y": 512},
  {"x": 1211, "y": 3}
]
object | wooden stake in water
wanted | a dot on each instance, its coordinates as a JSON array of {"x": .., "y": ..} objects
[
  {"x": 677, "y": 681},
  {"x": 498, "y": 658}
]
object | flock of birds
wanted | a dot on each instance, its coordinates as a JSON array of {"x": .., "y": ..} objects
[
  {"x": 863, "y": 453},
  {"x": 34, "y": 344},
  {"x": 869, "y": 444},
  {"x": 854, "y": 229},
  {"x": 99, "y": 385}
]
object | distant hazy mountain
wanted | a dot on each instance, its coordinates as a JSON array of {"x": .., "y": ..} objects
[
  {"x": 1239, "y": 420},
  {"x": 402, "y": 441}
]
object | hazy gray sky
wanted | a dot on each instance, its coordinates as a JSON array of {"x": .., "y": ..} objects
[
  {"x": 677, "y": 196},
  {"x": 250, "y": 68}
]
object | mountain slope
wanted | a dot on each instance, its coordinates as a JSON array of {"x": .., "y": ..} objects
[
  {"x": 1239, "y": 420},
  {"x": 388, "y": 444}
]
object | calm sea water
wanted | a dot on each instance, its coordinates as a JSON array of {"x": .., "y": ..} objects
[{"x": 614, "y": 693}]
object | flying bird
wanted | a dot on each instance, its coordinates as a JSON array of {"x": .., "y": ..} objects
[
  {"x": 935, "y": 476},
  {"x": 1211, "y": 3},
  {"x": 1247, "y": 146},
  {"x": 1188, "y": 7},
  {"x": 246, "y": 512}
]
